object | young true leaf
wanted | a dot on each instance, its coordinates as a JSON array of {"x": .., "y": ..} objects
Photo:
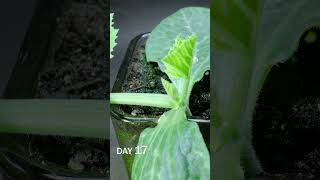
[
  {"x": 185, "y": 22},
  {"x": 171, "y": 90},
  {"x": 178, "y": 62},
  {"x": 175, "y": 150},
  {"x": 113, "y": 35},
  {"x": 249, "y": 37}
]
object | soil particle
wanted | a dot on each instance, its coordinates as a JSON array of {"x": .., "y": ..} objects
[
  {"x": 305, "y": 113},
  {"x": 79, "y": 154},
  {"x": 87, "y": 157},
  {"x": 308, "y": 166}
]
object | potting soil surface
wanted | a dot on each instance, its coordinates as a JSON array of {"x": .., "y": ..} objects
[
  {"x": 76, "y": 68},
  {"x": 287, "y": 118}
]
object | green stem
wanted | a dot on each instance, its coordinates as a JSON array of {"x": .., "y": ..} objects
[
  {"x": 83, "y": 118},
  {"x": 184, "y": 95},
  {"x": 142, "y": 99}
]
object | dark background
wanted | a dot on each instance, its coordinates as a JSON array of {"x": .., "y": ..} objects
[
  {"x": 134, "y": 17},
  {"x": 15, "y": 16}
]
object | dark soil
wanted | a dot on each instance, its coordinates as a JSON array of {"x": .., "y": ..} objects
[
  {"x": 76, "y": 67},
  {"x": 78, "y": 154},
  {"x": 145, "y": 77},
  {"x": 287, "y": 118}
]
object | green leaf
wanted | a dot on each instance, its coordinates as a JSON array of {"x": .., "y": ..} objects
[
  {"x": 185, "y": 22},
  {"x": 178, "y": 62},
  {"x": 175, "y": 150},
  {"x": 171, "y": 90},
  {"x": 249, "y": 37},
  {"x": 113, "y": 35}
]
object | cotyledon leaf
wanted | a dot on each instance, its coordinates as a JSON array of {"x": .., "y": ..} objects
[
  {"x": 249, "y": 37},
  {"x": 185, "y": 22},
  {"x": 175, "y": 151}
]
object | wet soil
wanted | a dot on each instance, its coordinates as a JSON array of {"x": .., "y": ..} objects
[
  {"x": 76, "y": 68},
  {"x": 145, "y": 77},
  {"x": 286, "y": 123}
]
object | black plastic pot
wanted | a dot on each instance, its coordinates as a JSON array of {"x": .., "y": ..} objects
[
  {"x": 15, "y": 158},
  {"x": 129, "y": 127}
]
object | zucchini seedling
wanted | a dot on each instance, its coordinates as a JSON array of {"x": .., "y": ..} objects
[{"x": 175, "y": 147}]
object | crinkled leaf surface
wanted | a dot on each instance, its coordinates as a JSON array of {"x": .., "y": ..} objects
[
  {"x": 249, "y": 37},
  {"x": 113, "y": 35},
  {"x": 185, "y": 22},
  {"x": 176, "y": 151},
  {"x": 178, "y": 62}
]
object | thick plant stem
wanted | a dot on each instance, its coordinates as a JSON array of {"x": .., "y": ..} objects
[
  {"x": 142, "y": 99},
  {"x": 83, "y": 118}
]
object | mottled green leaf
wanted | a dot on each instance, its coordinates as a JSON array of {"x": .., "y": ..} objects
[{"x": 175, "y": 151}]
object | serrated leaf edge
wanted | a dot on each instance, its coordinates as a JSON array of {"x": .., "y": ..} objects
[{"x": 113, "y": 35}]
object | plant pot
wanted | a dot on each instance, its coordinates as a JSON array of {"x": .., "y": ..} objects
[
  {"x": 138, "y": 75},
  {"x": 50, "y": 38},
  {"x": 287, "y": 119}
]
